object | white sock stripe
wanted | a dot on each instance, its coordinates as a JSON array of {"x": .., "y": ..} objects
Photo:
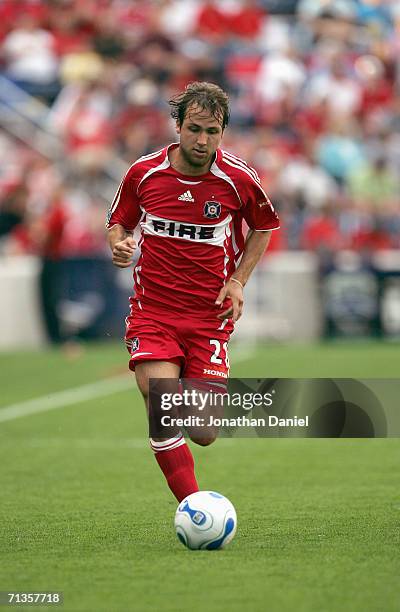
[
  {"x": 168, "y": 448},
  {"x": 164, "y": 445},
  {"x": 167, "y": 444},
  {"x": 163, "y": 442}
]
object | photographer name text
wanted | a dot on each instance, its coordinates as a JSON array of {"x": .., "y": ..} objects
[{"x": 240, "y": 421}]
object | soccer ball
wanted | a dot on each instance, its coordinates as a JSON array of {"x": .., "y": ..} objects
[{"x": 205, "y": 521}]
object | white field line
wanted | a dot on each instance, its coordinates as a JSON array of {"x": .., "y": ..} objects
[
  {"x": 90, "y": 443},
  {"x": 69, "y": 397},
  {"x": 83, "y": 393}
]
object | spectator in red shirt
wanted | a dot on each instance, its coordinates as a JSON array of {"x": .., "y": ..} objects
[
  {"x": 321, "y": 233},
  {"x": 248, "y": 21}
]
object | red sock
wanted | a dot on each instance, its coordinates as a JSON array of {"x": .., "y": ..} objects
[{"x": 176, "y": 462}]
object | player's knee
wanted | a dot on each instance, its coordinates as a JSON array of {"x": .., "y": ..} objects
[{"x": 204, "y": 441}]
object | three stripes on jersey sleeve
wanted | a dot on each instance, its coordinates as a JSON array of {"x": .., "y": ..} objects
[
  {"x": 236, "y": 162},
  {"x": 117, "y": 196}
]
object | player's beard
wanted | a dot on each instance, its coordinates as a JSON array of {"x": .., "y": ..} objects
[{"x": 196, "y": 162}]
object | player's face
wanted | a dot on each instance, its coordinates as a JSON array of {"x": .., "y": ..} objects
[{"x": 200, "y": 136}]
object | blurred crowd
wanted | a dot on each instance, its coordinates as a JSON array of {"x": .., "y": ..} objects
[{"x": 315, "y": 95}]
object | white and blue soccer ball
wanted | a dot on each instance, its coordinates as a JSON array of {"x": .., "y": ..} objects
[{"x": 205, "y": 521}]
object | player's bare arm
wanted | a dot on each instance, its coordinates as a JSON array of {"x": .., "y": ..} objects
[
  {"x": 122, "y": 246},
  {"x": 256, "y": 244}
]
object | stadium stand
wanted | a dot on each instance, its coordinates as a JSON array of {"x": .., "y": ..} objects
[{"x": 315, "y": 109}]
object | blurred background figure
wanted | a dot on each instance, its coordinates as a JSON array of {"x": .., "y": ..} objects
[{"x": 315, "y": 97}]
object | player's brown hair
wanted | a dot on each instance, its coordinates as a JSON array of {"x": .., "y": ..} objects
[{"x": 207, "y": 96}]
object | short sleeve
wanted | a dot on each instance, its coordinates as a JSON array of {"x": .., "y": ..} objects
[
  {"x": 258, "y": 210},
  {"x": 125, "y": 207}
]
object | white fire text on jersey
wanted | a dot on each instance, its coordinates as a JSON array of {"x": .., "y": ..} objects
[{"x": 211, "y": 234}]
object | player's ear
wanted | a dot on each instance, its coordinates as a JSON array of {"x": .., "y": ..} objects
[{"x": 178, "y": 127}]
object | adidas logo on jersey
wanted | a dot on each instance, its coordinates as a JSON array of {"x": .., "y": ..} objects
[{"x": 186, "y": 197}]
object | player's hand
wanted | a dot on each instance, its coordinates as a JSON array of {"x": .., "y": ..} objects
[
  {"x": 234, "y": 292},
  {"x": 122, "y": 253}
]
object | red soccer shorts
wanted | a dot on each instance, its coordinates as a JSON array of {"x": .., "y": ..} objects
[{"x": 199, "y": 347}]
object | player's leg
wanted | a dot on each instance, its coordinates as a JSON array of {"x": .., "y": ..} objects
[
  {"x": 172, "y": 454},
  {"x": 145, "y": 370},
  {"x": 207, "y": 362},
  {"x": 209, "y": 408}
]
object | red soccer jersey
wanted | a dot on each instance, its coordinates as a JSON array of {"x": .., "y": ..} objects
[{"x": 191, "y": 229}]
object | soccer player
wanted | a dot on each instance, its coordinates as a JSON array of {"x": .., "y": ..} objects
[{"x": 190, "y": 200}]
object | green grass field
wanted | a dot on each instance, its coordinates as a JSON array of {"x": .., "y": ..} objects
[{"x": 84, "y": 508}]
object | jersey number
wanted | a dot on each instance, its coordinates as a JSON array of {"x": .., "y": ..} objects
[{"x": 215, "y": 358}]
